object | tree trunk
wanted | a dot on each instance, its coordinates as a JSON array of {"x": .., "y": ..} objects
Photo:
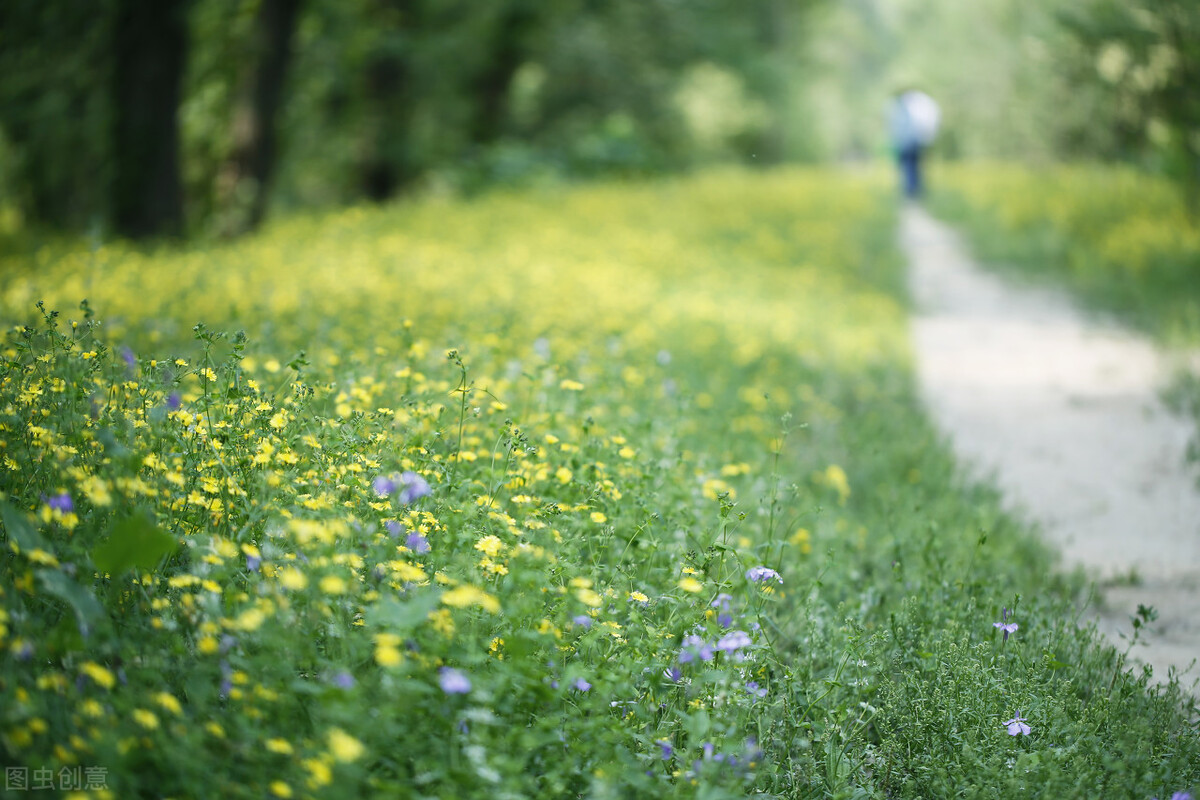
[
  {"x": 150, "y": 39},
  {"x": 245, "y": 179},
  {"x": 387, "y": 164},
  {"x": 509, "y": 43}
]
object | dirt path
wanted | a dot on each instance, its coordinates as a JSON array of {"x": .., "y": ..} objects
[{"x": 1062, "y": 411}]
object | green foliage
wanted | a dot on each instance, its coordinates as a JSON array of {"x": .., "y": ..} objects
[
  {"x": 1120, "y": 238},
  {"x": 632, "y": 405}
]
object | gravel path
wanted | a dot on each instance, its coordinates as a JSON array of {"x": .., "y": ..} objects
[{"x": 1061, "y": 410}]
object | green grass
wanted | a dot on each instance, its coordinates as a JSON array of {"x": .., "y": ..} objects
[
  {"x": 1122, "y": 240},
  {"x": 624, "y": 398}
]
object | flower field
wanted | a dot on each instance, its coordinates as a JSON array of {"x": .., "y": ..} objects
[
  {"x": 1122, "y": 239},
  {"x": 609, "y": 491}
]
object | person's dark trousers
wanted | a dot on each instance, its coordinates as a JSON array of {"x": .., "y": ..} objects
[{"x": 910, "y": 170}]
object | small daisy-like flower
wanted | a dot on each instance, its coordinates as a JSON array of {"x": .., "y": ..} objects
[
  {"x": 639, "y": 598},
  {"x": 694, "y": 647},
  {"x": 61, "y": 502},
  {"x": 1005, "y": 625},
  {"x": 733, "y": 641},
  {"x": 344, "y": 747},
  {"x": 453, "y": 682},
  {"x": 413, "y": 488},
  {"x": 762, "y": 575},
  {"x": 1017, "y": 726}
]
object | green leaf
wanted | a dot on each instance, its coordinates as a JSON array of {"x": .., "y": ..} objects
[
  {"x": 20, "y": 529},
  {"x": 396, "y": 615},
  {"x": 134, "y": 541},
  {"x": 88, "y": 611}
]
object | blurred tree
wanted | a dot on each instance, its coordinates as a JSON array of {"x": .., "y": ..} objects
[
  {"x": 245, "y": 177},
  {"x": 149, "y": 46},
  {"x": 54, "y": 107},
  {"x": 1149, "y": 54}
]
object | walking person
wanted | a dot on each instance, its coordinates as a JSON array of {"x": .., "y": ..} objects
[{"x": 913, "y": 119}]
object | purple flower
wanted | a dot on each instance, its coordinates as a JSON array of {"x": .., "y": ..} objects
[
  {"x": 694, "y": 647},
  {"x": 1017, "y": 727},
  {"x": 453, "y": 682},
  {"x": 173, "y": 401},
  {"x": 581, "y": 685},
  {"x": 415, "y": 487},
  {"x": 666, "y": 748},
  {"x": 754, "y": 689},
  {"x": 344, "y": 680},
  {"x": 384, "y": 486},
  {"x": 1005, "y": 625},
  {"x": 60, "y": 502},
  {"x": 762, "y": 574},
  {"x": 725, "y": 619},
  {"x": 733, "y": 641},
  {"x": 394, "y": 528},
  {"x": 673, "y": 674},
  {"x": 582, "y": 620},
  {"x": 128, "y": 357},
  {"x": 722, "y": 601},
  {"x": 253, "y": 563},
  {"x": 417, "y": 543}
]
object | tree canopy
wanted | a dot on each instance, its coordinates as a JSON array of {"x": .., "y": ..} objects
[{"x": 150, "y": 118}]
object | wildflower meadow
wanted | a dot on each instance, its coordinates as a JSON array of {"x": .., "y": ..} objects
[{"x": 617, "y": 490}]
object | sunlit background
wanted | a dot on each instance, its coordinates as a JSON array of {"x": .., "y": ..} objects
[{"x": 139, "y": 117}]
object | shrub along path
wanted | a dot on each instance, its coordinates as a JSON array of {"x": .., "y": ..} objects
[{"x": 1064, "y": 409}]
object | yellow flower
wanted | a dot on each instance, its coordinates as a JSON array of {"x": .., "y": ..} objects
[
  {"x": 589, "y": 598},
  {"x": 491, "y": 545},
  {"x": 250, "y": 620},
  {"x": 169, "y": 702},
  {"x": 281, "y": 789},
  {"x": 332, "y": 584},
  {"x": 466, "y": 595},
  {"x": 145, "y": 718},
  {"x": 835, "y": 477},
  {"x": 91, "y": 708},
  {"x": 599, "y": 518},
  {"x": 690, "y": 584},
  {"x": 442, "y": 621},
  {"x": 40, "y": 556},
  {"x": 319, "y": 773},
  {"x": 803, "y": 539},
  {"x": 99, "y": 674},
  {"x": 281, "y": 746},
  {"x": 292, "y": 578},
  {"x": 344, "y": 747},
  {"x": 570, "y": 385},
  {"x": 387, "y": 656},
  {"x": 387, "y": 650}
]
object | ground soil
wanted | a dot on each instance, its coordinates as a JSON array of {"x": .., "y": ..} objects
[{"x": 1061, "y": 409}]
